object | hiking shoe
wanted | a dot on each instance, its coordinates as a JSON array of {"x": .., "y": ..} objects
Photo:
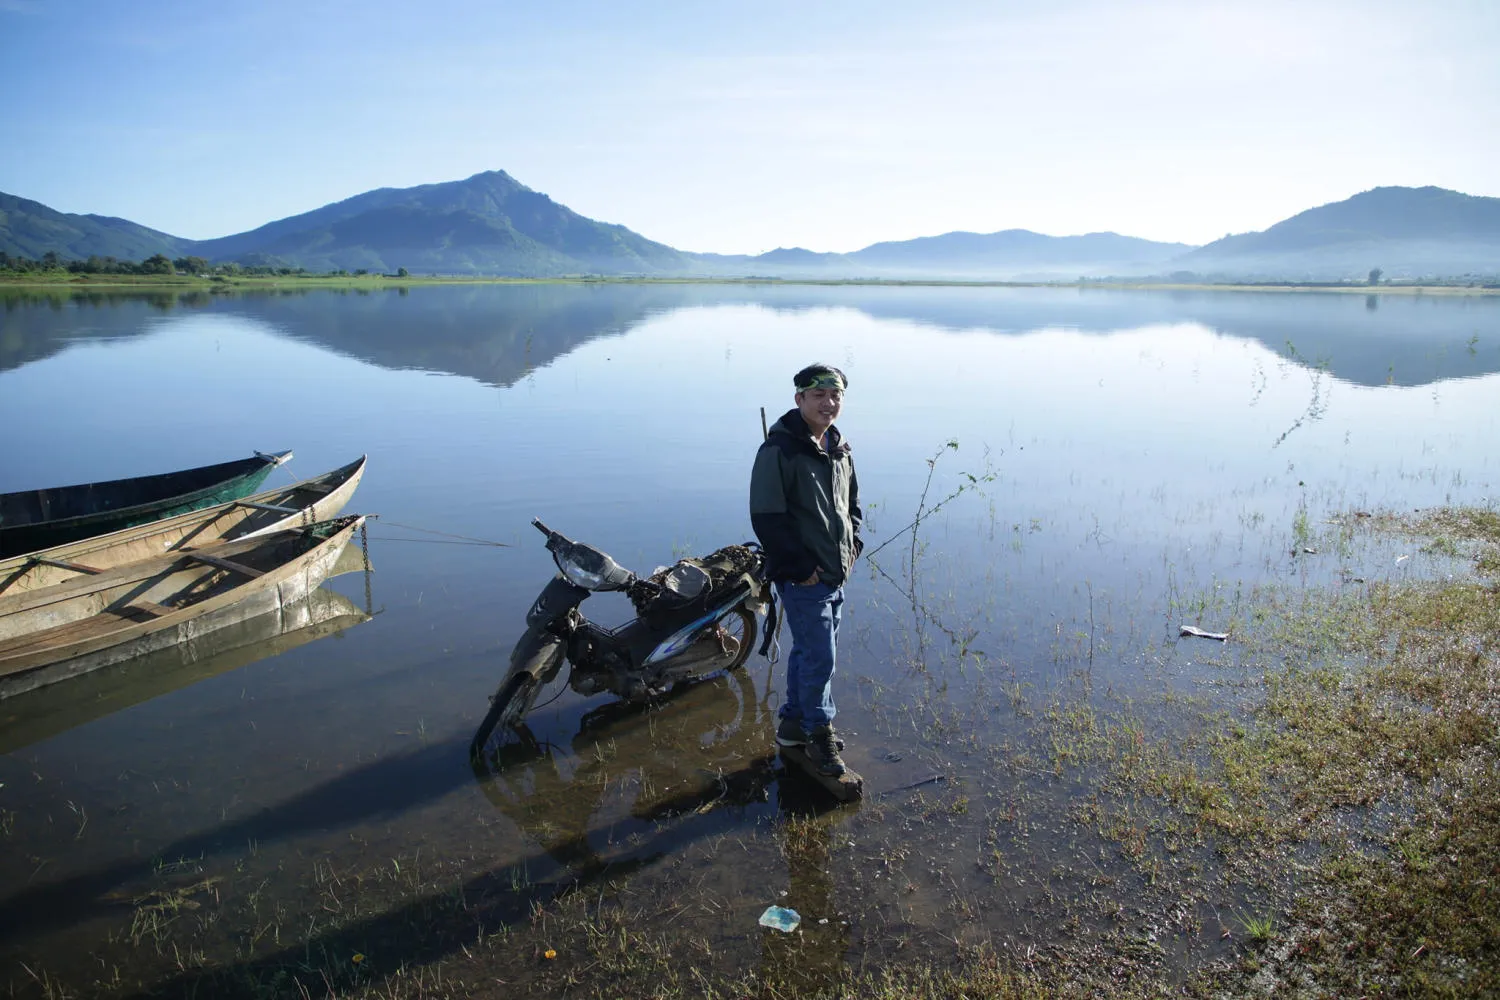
[
  {"x": 823, "y": 749},
  {"x": 789, "y": 733}
]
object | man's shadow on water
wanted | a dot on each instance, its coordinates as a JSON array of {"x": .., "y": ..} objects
[{"x": 703, "y": 757}]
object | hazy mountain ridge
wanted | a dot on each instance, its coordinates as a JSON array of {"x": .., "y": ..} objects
[
  {"x": 1008, "y": 253},
  {"x": 492, "y": 224},
  {"x": 1402, "y": 231},
  {"x": 1427, "y": 213},
  {"x": 1013, "y": 246},
  {"x": 30, "y": 229}
]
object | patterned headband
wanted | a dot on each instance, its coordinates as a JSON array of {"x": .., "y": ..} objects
[{"x": 823, "y": 380}]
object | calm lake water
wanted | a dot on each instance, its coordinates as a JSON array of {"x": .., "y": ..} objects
[{"x": 1141, "y": 458}]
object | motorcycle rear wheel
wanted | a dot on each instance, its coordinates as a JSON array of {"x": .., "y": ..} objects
[{"x": 507, "y": 708}]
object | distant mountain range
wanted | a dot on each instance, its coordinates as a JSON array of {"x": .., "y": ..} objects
[
  {"x": 1011, "y": 253},
  {"x": 492, "y": 224}
]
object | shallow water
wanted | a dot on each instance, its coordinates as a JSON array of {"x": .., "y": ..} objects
[{"x": 1141, "y": 458}]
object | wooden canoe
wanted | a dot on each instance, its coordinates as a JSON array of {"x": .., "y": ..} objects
[
  {"x": 37, "y": 519},
  {"x": 307, "y": 502},
  {"x": 41, "y": 714},
  {"x": 94, "y": 621}
]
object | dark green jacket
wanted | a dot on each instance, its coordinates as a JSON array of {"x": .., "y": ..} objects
[{"x": 804, "y": 503}]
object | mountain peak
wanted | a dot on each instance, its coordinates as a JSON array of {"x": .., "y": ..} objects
[
  {"x": 487, "y": 223},
  {"x": 492, "y": 178}
]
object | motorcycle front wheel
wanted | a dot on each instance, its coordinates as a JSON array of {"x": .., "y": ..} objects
[
  {"x": 507, "y": 708},
  {"x": 735, "y": 635}
]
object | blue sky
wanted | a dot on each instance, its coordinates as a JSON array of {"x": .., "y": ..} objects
[{"x": 743, "y": 127}]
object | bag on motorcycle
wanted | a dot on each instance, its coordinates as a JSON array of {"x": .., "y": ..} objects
[{"x": 689, "y": 585}]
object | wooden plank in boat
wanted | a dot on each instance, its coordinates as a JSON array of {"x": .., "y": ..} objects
[
  {"x": 145, "y": 569},
  {"x": 62, "y": 636},
  {"x": 200, "y": 529},
  {"x": 138, "y": 607},
  {"x": 103, "y": 638},
  {"x": 228, "y": 564},
  {"x": 273, "y": 508},
  {"x": 64, "y": 564}
]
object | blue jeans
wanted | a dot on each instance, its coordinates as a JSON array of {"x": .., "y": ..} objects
[{"x": 812, "y": 613}]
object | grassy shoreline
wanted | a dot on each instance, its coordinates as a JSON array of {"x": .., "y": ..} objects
[{"x": 152, "y": 283}]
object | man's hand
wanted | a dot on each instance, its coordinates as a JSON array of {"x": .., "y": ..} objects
[{"x": 812, "y": 579}]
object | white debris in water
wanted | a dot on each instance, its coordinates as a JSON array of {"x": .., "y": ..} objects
[{"x": 780, "y": 918}]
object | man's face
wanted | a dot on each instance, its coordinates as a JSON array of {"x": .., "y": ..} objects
[{"x": 820, "y": 407}]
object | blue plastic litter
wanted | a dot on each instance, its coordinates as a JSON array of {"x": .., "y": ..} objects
[{"x": 780, "y": 918}]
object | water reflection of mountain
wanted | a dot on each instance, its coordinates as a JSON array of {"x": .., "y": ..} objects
[
  {"x": 492, "y": 333},
  {"x": 496, "y": 333},
  {"x": 37, "y": 324},
  {"x": 1363, "y": 339}
]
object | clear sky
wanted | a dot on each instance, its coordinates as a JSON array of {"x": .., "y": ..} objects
[{"x": 737, "y": 128}]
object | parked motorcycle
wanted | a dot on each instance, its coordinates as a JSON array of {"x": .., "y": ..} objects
[{"x": 694, "y": 618}]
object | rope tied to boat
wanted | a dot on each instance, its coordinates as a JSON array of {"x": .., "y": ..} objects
[
  {"x": 448, "y": 538},
  {"x": 364, "y": 548}
]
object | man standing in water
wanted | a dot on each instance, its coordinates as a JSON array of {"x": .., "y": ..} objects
[{"x": 804, "y": 507}]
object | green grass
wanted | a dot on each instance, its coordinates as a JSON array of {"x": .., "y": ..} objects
[
  {"x": 1367, "y": 773},
  {"x": 1258, "y": 928}
]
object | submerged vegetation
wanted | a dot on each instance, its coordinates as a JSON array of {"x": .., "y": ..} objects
[
  {"x": 1320, "y": 818},
  {"x": 1356, "y": 786}
]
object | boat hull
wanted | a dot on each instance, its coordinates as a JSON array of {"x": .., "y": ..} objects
[
  {"x": 74, "y": 628},
  {"x": 39, "y": 519},
  {"x": 310, "y": 501}
]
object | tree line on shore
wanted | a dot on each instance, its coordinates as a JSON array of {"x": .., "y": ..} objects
[{"x": 156, "y": 264}]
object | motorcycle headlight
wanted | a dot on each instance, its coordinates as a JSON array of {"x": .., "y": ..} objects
[
  {"x": 578, "y": 576},
  {"x": 587, "y": 567}
]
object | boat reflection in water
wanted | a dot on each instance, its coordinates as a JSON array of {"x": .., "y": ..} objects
[
  {"x": 698, "y": 761},
  {"x": 45, "y": 712}
]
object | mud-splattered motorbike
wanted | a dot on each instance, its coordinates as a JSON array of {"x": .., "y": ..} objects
[{"x": 695, "y": 617}]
